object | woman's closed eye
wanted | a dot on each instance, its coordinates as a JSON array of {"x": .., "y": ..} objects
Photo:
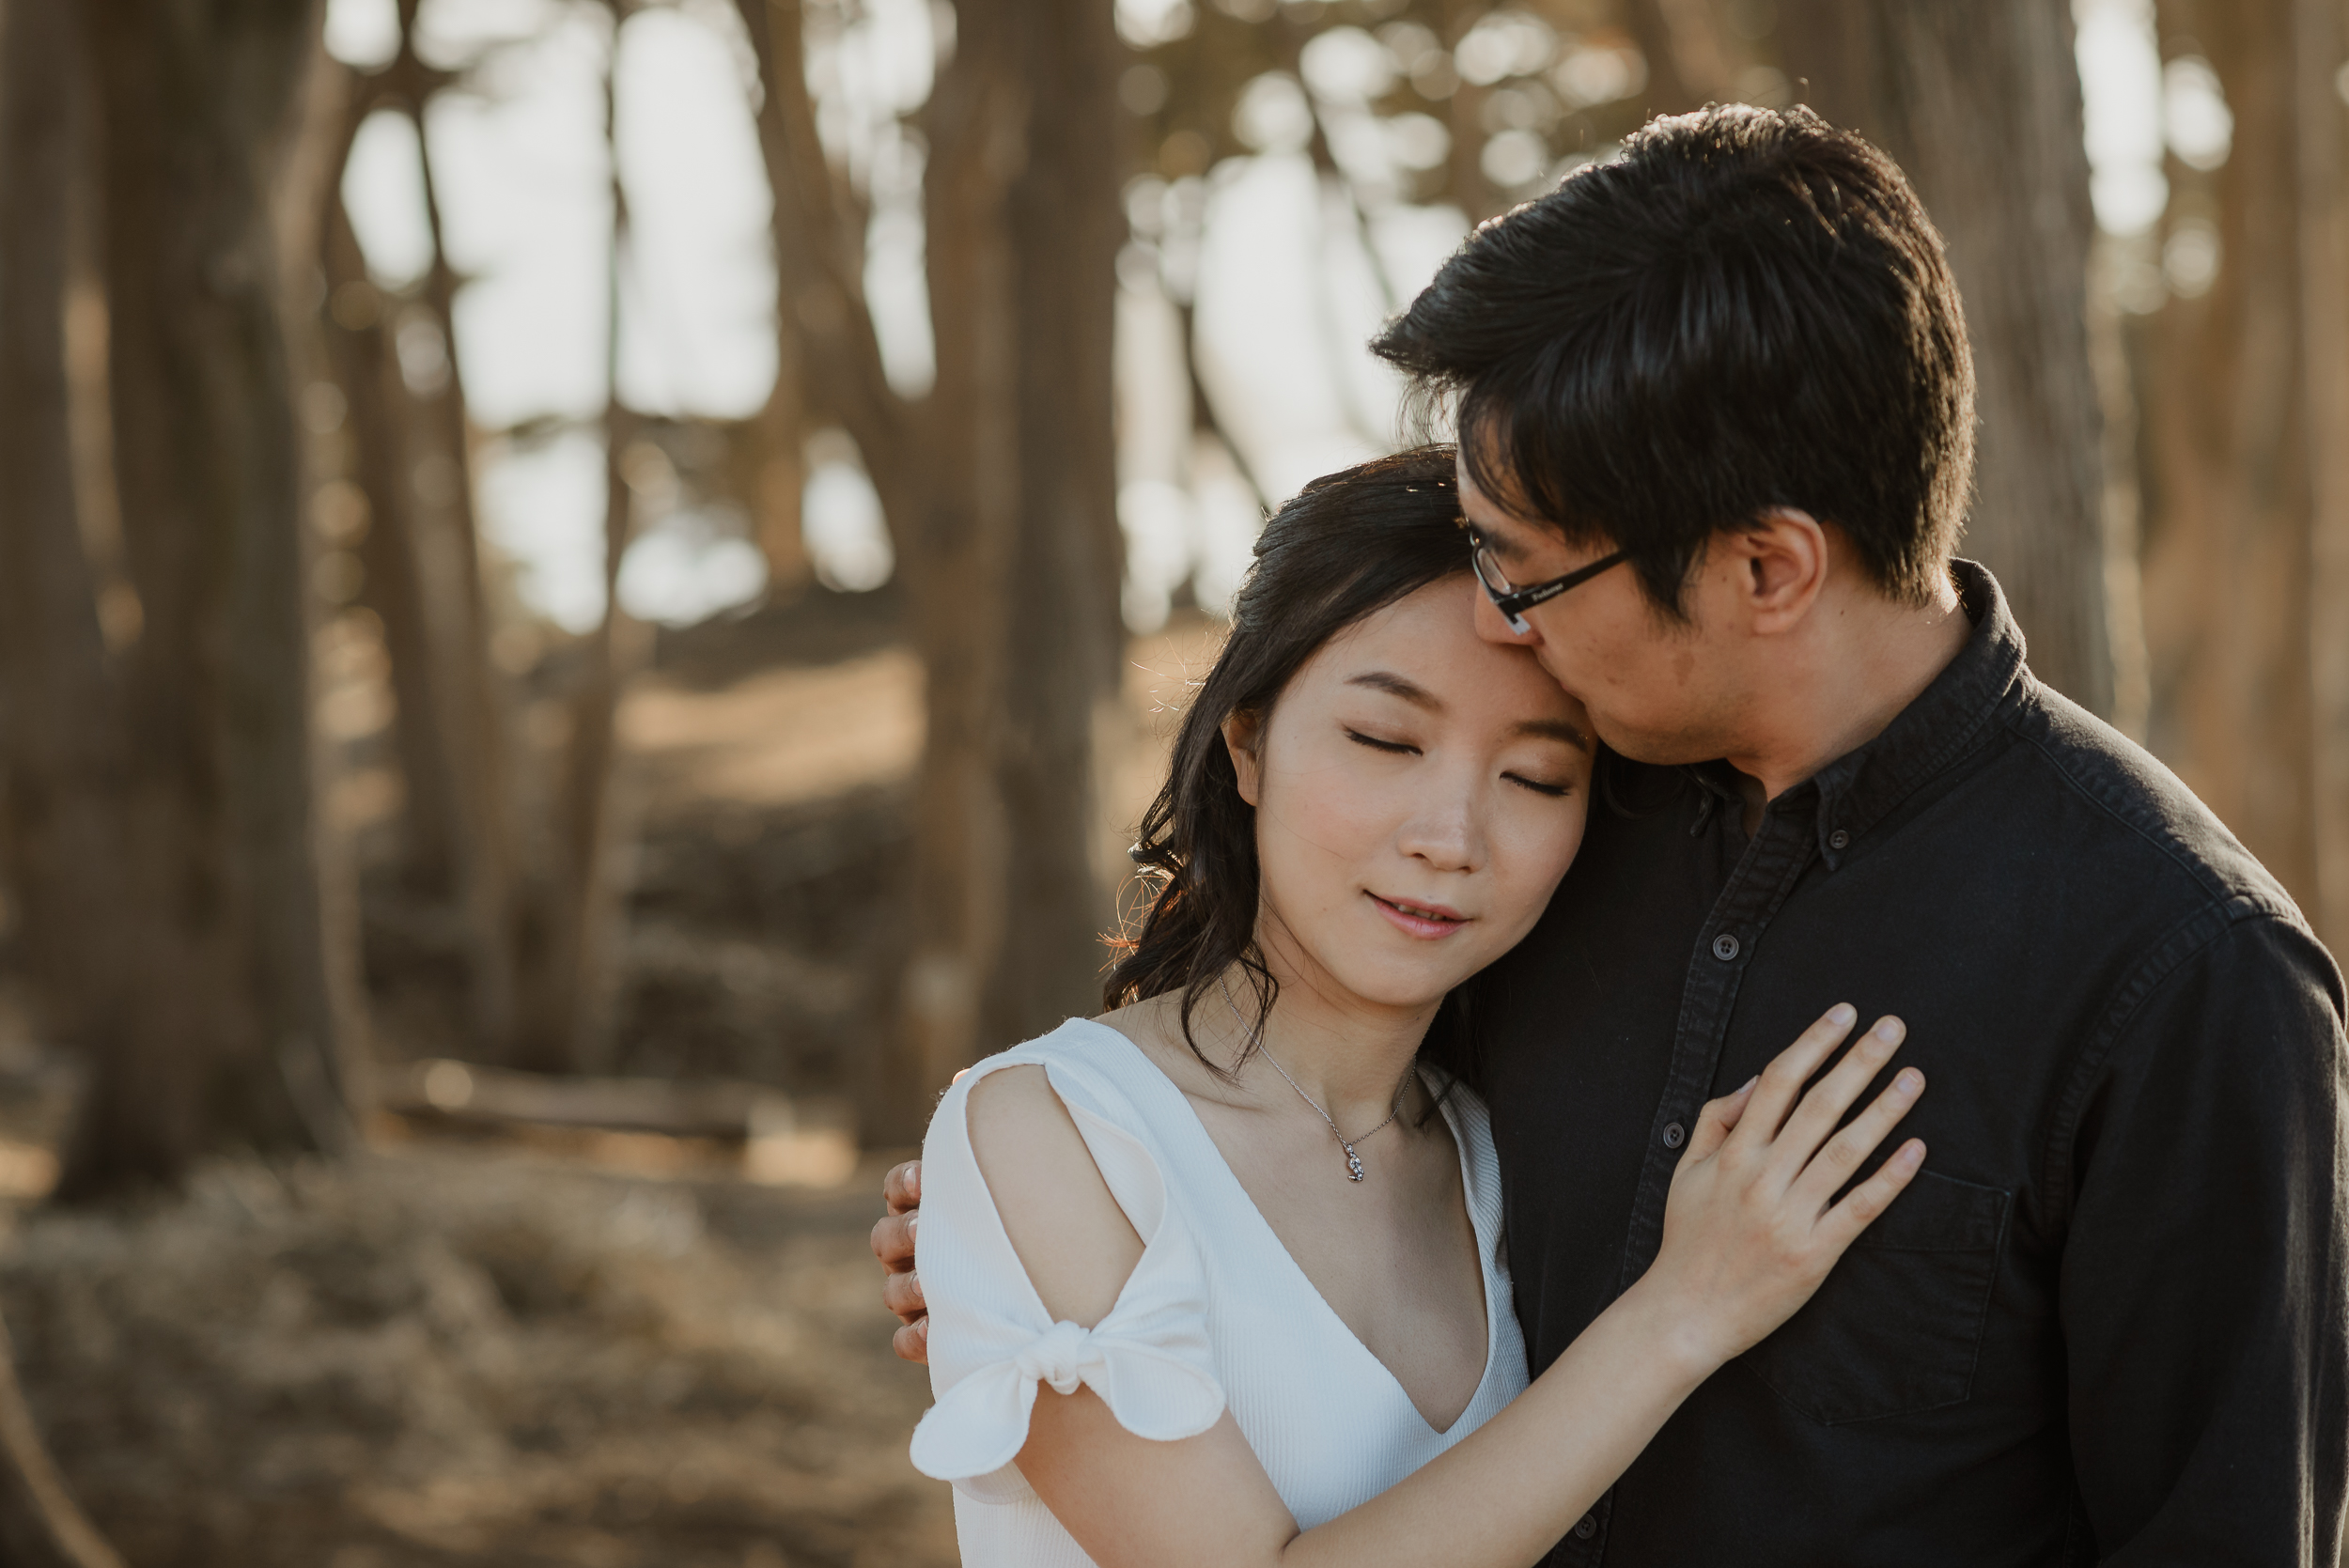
[
  {"x": 1540, "y": 786},
  {"x": 1375, "y": 743}
]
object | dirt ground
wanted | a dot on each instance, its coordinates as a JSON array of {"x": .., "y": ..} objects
[
  {"x": 447, "y": 1355},
  {"x": 578, "y": 1352}
]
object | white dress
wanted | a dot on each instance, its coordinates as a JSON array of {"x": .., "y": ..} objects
[{"x": 1217, "y": 1312}]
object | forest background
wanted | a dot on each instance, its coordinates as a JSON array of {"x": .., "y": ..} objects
[{"x": 590, "y": 591}]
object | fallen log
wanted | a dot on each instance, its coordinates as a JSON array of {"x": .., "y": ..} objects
[{"x": 780, "y": 1139}]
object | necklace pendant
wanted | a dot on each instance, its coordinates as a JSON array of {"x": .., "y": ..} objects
[{"x": 1353, "y": 1163}]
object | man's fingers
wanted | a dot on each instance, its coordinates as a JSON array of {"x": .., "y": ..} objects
[
  {"x": 892, "y": 1241},
  {"x": 1871, "y": 1198},
  {"x": 901, "y": 1189},
  {"x": 1765, "y": 1110},
  {"x": 1814, "y": 1120},
  {"x": 912, "y": 1343},
  {"x": 1840, "y": 1159},
  {"x": 902, "y": 1295}
]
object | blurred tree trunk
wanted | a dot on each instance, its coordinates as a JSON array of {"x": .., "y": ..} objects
[
  {"x": 423, "y": 565},
  {"x": 479, "y": 745},
  {"x": 1065, "y": 635},
  {"x": 565, "y": 1023},
  {"x": 359, "y": 346},
  {"x": 1686, "y": 63},
  {"x": 1981, "y": 105},
  {"x": 773, "y": 472},
  {"x": 2246, "y": 521},
  {"x": 1000, "y": 491},
  {"x": 237, "y": 1041},
  {"x": 67, "y": 802}
]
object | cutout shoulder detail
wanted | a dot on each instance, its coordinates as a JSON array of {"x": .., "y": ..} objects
[
  {"x": 1076, "y": 1245},
  {"x": 993, "y": 1339}
]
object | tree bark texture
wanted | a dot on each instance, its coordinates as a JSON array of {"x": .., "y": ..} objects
[
  {"x": 64, "y": 745},
  {"x": 999, "y": 485},
  {"x": 2247, "y": 522},
  {"x": 1065, "y": 635},
  {"x": 1981, "y": 105},
  {"x": 194, "y": 100}
]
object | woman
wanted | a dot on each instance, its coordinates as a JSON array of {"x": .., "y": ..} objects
[{"x": 1218, "y": 1278}]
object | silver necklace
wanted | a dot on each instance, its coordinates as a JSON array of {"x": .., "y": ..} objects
[{"x": 1353, "y": 1161}]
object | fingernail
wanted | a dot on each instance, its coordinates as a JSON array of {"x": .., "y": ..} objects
[
  {"x": 1842, "y": 1015},
  {"x": 912, "y": 1221},
  {"x": 1910, "y": 1082},
  {"x": 1748, "y": 1084},
  {"x": 1908, "y": 1159},
  {"x": 922, "y": 1327},
  {"x": 1890, "y": 1031},
  {"x": 913, "y": 1178}
]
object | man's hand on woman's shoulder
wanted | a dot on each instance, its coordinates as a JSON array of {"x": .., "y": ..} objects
[{"x": 893, "y": 1243}]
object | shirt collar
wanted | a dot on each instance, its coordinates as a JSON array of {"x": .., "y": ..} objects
[{"x": 1948, "y": 721}]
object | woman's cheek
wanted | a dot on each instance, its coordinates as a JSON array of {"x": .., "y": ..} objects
[{"x": 1542, "y": 844}]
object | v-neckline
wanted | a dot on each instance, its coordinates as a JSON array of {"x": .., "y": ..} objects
[{"x": 1193, "y": 1125}]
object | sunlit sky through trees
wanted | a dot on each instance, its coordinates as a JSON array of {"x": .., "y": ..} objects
[{"x": 1289, "y": 279}]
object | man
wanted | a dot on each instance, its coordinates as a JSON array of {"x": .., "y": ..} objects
[{"x": 1715, "y": 413}]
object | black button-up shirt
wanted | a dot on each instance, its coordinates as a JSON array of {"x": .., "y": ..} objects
[{"x": 2106, "y": 1322}]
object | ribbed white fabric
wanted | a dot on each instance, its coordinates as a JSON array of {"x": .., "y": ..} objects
[{"x": 1217, "y": 1312}]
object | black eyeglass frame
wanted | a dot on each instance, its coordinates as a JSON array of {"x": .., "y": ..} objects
[{"x": 1512, "y": 601}]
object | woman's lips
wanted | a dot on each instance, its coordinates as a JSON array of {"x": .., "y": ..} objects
[{"x": 1426, "y": 922}]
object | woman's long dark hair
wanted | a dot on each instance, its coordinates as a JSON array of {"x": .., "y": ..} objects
[{"x": 1350, "y": 544}]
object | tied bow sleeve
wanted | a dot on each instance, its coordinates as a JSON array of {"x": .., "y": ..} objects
[{"x": 992, "y": 1343}]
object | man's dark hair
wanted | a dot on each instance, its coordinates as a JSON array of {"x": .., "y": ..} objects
[{"x": 1746, "y": 309}]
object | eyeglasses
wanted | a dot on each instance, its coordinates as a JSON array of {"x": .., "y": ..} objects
[{"x": 1512, "y": 601}]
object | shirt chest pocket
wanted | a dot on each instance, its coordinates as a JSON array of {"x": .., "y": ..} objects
[{"x": 1898, "y": 1325}]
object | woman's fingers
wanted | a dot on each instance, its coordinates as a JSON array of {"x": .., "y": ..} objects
[
  {"x": 1815, "y": 1118},
  {"x": 1840, "y": 1159},
  {"x": 1774, "y": 1096},
  {"x": 1843, "y": 1223},
  {"x": 1718, "y": 1118}
]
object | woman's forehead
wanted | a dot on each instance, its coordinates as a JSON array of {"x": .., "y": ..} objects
[{"x": 1429, "y": 637}]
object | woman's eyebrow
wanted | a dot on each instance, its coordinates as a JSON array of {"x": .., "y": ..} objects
[
  {"x": 1556, "y": 729},
  {"x": 1396, "y": 686}
]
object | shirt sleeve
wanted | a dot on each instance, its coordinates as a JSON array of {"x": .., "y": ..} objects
[
  {"x": 992, "y": 1343},
  {"x": 2204, "y": 1275}
]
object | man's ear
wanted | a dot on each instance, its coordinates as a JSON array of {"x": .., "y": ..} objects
[
  {"x": 1781, "y": 559},
  {"x": 1243, "y": 737}
]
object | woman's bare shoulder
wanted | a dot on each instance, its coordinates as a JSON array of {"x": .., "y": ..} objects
[{"x": 1072, "y": 1239}]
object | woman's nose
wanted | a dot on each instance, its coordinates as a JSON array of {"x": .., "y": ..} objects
[{"x": 1446, "y": 834}]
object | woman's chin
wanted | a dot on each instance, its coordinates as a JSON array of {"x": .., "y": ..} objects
[{"x": 1405, "y": 977}]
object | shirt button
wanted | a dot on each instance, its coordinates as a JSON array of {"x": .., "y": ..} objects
[
  {"x": 1839, "y": 840},
  {"x": 1724, "y": 947},
  {"x": 1586, "y": 1526},
  {"x": 1674, "y": 1136}
]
